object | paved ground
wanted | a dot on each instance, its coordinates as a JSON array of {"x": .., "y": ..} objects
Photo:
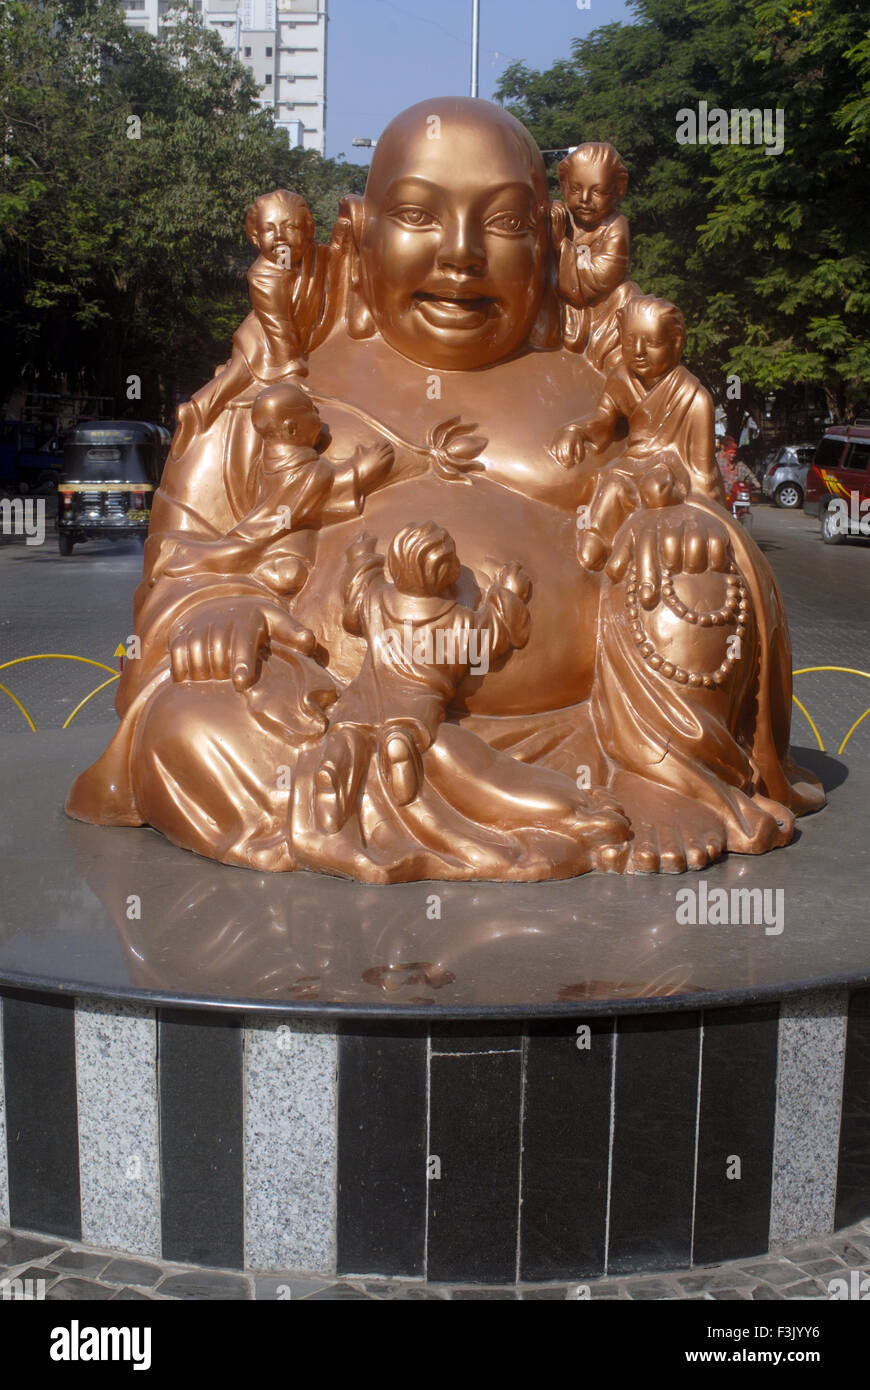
[
  {"x": 83, "y": 605},
  {"x": 73, "y": 1273}
]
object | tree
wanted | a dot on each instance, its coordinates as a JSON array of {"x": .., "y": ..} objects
[
  {"x": 766, "y": 254},
  {"x": 793, "y": 228},
  {"x": 129, "y": 163}
]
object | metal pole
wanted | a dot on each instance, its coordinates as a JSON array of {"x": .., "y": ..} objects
[{"x": 475, "y": 45}]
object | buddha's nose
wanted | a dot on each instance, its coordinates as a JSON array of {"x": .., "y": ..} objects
[{"x": 461, "y": 247}]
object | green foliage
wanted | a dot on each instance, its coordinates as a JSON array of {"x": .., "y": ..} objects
[
  {"x": 768, "y": 255},
  {"x": 127, "y": 255}
]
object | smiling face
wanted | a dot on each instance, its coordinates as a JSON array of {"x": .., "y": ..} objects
[
  {"x": 453, "y": 242},
  {"x": 652, "y": 338}
]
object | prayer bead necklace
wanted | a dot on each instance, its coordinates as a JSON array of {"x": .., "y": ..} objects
[{"x": 733, "y": 611}]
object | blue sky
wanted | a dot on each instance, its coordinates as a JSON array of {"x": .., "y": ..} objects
[{"x": 383, "y": 55}]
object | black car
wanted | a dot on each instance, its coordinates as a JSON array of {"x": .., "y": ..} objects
[{"x": 110, "y": 471}]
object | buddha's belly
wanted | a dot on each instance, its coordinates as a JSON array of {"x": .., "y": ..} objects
[{"x": 491, "y": 527}]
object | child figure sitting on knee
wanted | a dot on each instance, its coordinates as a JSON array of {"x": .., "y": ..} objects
[
  {"x": 298, "y": 492},
  {"x": 421, "y": 644}
]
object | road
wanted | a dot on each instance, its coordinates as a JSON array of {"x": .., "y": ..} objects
[{"x": 82, "y": 606}]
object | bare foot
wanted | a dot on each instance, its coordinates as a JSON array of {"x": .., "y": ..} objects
[{"x": 672, "y": 833}]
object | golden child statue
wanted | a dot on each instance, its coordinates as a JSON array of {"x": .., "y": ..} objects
[{"x": 592, "y": 243}]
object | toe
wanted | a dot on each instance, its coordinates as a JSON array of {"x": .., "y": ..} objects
[
  {"x": 672, "y": 860},
  {"x": 645, "y": 853},
  {"x": 715, "y": 847},
  {"x": 672, "y": 849},
  {"x": 610, "y": 859},
  {"x": 696, "y": 855}
]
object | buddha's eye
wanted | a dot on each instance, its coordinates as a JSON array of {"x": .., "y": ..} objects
[
  {"x": 510, "y": 222},
  {"x": 414, "y": 217}
]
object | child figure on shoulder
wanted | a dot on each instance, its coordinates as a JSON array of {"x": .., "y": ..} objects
[
  {"x": 287, "y": 288},
  {"x": 592, "y": 242}
]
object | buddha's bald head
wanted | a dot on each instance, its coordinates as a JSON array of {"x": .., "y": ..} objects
[
  {"x": 453, "y": 240},
  {"x": 470, "y": 132}
]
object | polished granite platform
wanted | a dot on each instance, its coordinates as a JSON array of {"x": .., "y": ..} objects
[
  {"x": 460, "y": 1083},
  {"x": 126, "y": 915}
]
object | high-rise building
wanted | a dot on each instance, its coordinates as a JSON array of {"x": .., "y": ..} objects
[{"x": 283, "y": 42}]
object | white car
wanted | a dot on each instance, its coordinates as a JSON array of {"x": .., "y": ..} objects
[{"x": 784, "y": 479}]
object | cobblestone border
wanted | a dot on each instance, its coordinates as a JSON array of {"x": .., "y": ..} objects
[{"x": 74, "y": 1273}]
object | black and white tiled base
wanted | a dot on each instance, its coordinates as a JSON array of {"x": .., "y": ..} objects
[{"x": 456, "y": 1153}]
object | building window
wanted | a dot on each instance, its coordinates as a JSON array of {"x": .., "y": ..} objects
[
  {"x": 268, "y": 78},
  {"x": 268, "y": 52},
  {"x": 247, "y": 53},
  {"x": 134, "y": 5}
]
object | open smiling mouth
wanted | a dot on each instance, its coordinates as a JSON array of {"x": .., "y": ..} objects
[{"x": 448, "y": 311}]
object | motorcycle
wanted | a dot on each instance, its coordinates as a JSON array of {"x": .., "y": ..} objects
[{"x": 740, "y": 503}]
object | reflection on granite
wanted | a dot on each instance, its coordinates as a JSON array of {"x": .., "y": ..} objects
[{"x": 124, "y": 912}]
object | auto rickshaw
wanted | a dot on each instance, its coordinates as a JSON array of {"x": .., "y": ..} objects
[{"x": 110, "y": 471}]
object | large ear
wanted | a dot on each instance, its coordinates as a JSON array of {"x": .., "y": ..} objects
[
  {"x": 546, "y": 331},
  {"x": 351, "y": 208},
  {"x": 360, "y": 323}
]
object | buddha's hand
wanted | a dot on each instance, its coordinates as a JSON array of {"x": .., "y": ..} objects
[
  {"x": 569, "y": 446},
  {"x": 219, "y": 641},
  {"x": 681, "y": 539}
]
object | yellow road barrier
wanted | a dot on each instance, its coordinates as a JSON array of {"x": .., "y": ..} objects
[{"x": 115, "y": 675}]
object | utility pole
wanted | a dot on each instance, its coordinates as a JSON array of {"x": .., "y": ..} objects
[{"x": 475, "y": 45}]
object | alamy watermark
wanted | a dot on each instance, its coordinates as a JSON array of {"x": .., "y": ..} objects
[
  {"x": 849, "y": 516},
  {"x": 22, "y": 1290},
  {"x": 77, "y": 1343},
  {"x": 739, "y": 126},
  {"x": 853, "y": 1285},
  {"x": 446, "y": 647},
  {"x": 736, "y": 907},
  {"x": 23, "y": 516}
]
